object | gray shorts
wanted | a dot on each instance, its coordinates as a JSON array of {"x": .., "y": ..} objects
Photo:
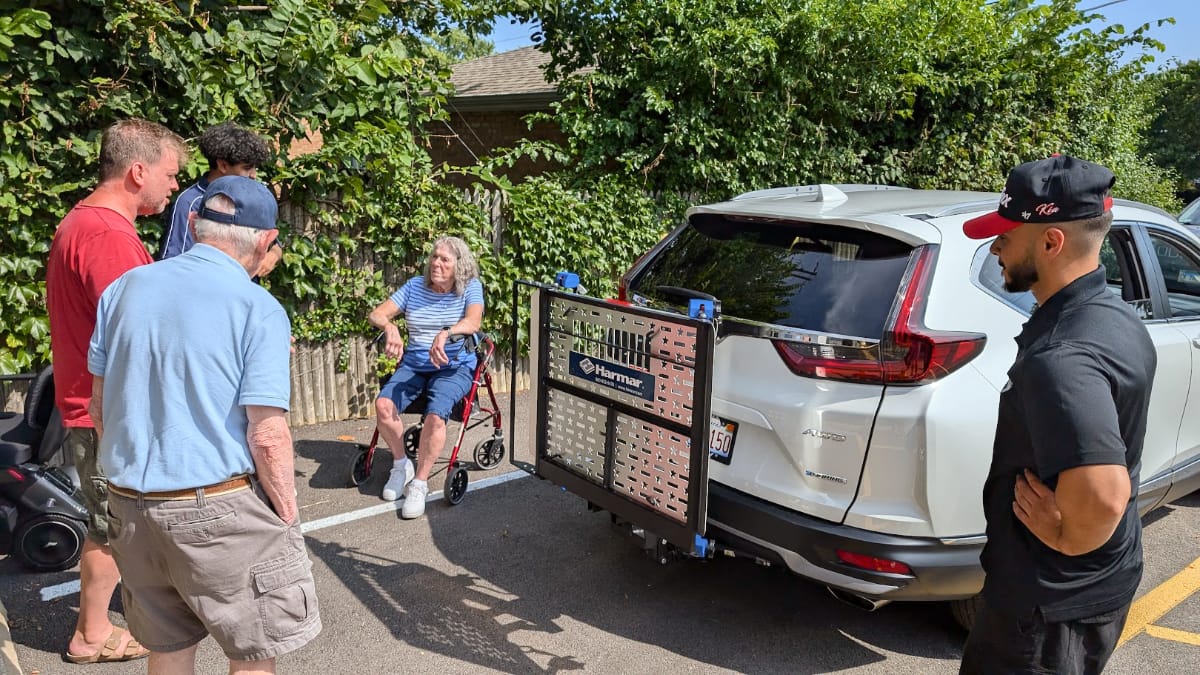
[
  {"x": 82, "y": 444},
  {"x": 225, "y": 566}
]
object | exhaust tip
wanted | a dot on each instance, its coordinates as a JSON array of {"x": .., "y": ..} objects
[{"x": 856, "y": 600}]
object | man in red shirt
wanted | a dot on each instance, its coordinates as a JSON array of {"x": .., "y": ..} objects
[{"x": 94, "y": 244}]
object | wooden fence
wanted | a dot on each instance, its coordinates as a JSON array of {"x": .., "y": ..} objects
[
  {"x": 337, "y": 380},
  {"x": 330, "y": 382}
]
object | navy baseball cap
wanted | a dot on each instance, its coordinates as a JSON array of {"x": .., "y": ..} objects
[
  {"x": 253, "y": 203},
  {"x": 1052, "y": 190}
]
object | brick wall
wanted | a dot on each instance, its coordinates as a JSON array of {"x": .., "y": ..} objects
[{"x": 481, "y": 132}]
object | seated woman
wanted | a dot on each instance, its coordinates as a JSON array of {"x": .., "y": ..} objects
[{"x": 447, "y": 298}]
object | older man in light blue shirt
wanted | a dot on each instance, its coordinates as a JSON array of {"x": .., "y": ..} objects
[
  {"x": 189, "y": 428},
  {"x": 191, "y": 385}
]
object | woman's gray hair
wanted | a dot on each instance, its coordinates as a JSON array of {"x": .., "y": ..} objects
[
  {"x": 242, "y": 239},
  {"x": 465, "y": 268}
]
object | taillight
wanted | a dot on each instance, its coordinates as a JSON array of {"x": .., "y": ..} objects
[
  {"x": 872, "y": 563},
  {"x": 908, "y": 354},
  {"x": 848, "y": 362}
]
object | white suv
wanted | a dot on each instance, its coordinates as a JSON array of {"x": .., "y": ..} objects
[{"x": 861, "y": 350}]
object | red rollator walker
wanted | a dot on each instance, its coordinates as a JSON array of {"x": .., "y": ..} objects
[{"x": 489, "y": 452}]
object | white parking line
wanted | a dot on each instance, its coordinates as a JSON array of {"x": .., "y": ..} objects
[
  {"x": 56, "y": 591},
  {"x": 59, "y": 590},
  {"x": 322, "y": 523}
]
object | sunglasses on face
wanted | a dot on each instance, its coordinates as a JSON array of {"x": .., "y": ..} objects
[{"x": 279, "y": 242}]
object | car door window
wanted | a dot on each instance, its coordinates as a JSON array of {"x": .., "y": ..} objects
[
  {"x": 1180, "y": 273},
  {"x": 1120, "y": 271}
]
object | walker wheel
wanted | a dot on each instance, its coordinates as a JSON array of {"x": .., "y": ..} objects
[
  {"x": 412, "y": 439},
  {"x": 456, "y": 485},
  {"x": 489, "y": 453},
  {"x": 360, "y": 470}
]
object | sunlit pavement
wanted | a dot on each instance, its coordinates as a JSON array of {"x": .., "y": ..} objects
[{"x": 520, "y": 577}]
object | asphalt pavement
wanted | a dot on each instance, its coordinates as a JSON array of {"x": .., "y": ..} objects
[{"x": 520, "y": 577}]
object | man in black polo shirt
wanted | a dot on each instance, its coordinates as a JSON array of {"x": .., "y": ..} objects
[{"x": 1064, "y": 550}]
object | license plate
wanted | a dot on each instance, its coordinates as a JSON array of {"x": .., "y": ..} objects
[{"x": 720, "y": 439}]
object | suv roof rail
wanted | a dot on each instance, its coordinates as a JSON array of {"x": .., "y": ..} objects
[
  {"x": 1140, "y": 205},
  {"x": 968, "y": 207},
  {"x": 958, "y": 209},
  {"x": 823, "y": 192}
]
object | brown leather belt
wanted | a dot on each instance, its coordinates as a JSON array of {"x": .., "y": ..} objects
[{"x": 232, "y": 485}]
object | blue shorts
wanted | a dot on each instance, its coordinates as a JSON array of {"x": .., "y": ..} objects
[{"x": 444, "y": 387}]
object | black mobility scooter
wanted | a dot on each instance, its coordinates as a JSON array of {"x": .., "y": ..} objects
[{"x": 42, "y": 520}]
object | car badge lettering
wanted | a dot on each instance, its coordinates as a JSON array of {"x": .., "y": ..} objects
[
  {"x": 825, "y": 476},
  {"x": 826, "y": 435}
]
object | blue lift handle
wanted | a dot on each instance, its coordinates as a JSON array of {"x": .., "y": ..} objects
[{"x": 569, "y": 281}]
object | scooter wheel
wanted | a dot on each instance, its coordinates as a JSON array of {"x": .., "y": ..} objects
[
  {"x": 49, "y": 542},
  {"x": 456, "y": 485},
  {"x": 412, "y": 439},
  {"x": 360, "y": 470},
  {"x": 489, "y": 452}
]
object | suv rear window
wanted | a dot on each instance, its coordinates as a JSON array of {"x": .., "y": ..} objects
[{"x": 814, "y": 277}]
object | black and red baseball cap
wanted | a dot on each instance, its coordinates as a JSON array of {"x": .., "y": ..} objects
[{"x": 1052, "y": 190}]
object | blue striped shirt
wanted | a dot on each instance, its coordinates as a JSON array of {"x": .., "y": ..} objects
[{"x": 426, "y": 312}]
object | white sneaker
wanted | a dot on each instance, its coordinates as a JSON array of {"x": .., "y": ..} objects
[
  {"x": 414, "y": 501},
  {"x": 402, "y": 473}
]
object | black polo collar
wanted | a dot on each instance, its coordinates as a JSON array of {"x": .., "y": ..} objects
[{"x": 1074, "y": 293}]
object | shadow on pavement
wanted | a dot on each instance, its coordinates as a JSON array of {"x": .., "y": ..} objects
[
  {"x": 460, "y": 616},
  {"x": 333, "y": 461},
  {"x": 520, "y": 577},
  {"x": 536, "y": 560},
  {"x": 1186, "y": 501},
  {"x": 45, "y": 626}
]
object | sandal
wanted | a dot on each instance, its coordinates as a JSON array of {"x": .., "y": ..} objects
[{"x": 108, "y": 651}]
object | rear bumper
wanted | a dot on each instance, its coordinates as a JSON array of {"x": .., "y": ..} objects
[{"x": 807, "y": 546}]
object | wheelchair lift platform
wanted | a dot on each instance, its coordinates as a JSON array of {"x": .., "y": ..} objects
[{"x": 622, "y": 410}]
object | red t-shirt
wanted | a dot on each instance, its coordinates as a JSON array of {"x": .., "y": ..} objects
[{"x": 92, "y": 247}]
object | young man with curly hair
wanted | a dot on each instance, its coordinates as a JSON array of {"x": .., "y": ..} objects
[{"x": 231, "y": 150}]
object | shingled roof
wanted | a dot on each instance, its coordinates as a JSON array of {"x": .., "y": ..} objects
[{"x": 509, "y": 81}]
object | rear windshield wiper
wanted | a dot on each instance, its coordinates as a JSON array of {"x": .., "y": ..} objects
[
  {"x": 680, "y": 291},
  {"x": 691, "y": 293}
]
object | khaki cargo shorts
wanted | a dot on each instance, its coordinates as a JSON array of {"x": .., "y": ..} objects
[
  {"x": 83, "y": 444},
  {"x": 222, "y": 565}
]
